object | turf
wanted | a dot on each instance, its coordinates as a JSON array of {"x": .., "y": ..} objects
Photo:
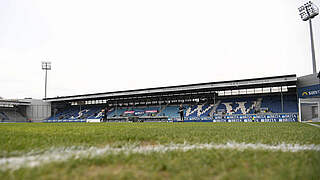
[
  {"x": 315, "y": 123},
  {"x": 17, "y": 139},
  {"x": 195, "y": 164}
]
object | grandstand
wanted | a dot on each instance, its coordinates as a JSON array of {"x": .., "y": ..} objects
[
  {"x": 13, "y": 111},
  {"x": 23, "y": 110},
  {"x": 259, "y": 99}
]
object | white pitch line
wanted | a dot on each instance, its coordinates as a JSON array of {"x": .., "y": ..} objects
[
  {"x": 316, "y": 125},
  {"x": 64, "y": 154}
]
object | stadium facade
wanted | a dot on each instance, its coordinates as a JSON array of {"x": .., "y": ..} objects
[{"x": 278, "y": 98}]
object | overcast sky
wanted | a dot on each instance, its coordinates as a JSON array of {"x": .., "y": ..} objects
[{"x": 102, "y": 45}]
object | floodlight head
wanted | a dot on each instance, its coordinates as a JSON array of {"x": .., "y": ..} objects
[
  {"x": 303, "y": 13},
  {"x": 46, "y": 65},
  {"x": 308, "y": 11},
  {"x": 312, "y": 9}
]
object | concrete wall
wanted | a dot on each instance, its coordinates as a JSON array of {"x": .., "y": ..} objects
[
  {"x": 306, "y": 104},
  {"x": 38, "y": 110},
  {"x": 308, "y": 80},
  {"x": 306, "y": 112}
]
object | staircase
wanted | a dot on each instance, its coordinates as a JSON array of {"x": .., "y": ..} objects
[
  {"x": 257, "y": 105},
  {"x": 215, "y": 106},
  {"x": 162, "y": 108}
]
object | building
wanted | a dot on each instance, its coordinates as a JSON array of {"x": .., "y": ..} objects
[
  {"x": 309, "y": 97},
  {"x": 24, "y": 110},
  {"x": 278, "y": 98}
]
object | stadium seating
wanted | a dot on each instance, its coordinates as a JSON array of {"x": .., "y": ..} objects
[
  {"x": 3, "y": 116},
  {"x": 273, "y": 103},
  {"x": 96, "y": 112},
  {"x": 8, "y": 115},
  {"x": 238, "y": 105},
  {"x": 231, "y": 106},
  {"x": 170, "y": 111}
]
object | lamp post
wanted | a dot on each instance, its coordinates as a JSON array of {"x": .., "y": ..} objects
[
  {"x": 307, "y": 12},
  {"x": 46, "y": 66}
]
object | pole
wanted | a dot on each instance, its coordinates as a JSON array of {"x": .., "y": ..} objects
[
  {"x": 312, "y": 49},
  {"x": 281, "y": 99},
  {"x": 300, "y": 111},
  {"x": 45, "y": 89},
  {"x": 116, "y": 109}
]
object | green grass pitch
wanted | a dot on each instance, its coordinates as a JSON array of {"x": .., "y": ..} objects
[{"x": 28, "y": 139}]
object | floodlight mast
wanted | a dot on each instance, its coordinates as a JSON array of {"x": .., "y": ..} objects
[
  {"x": 46, "y": 66},
  {"x": 307, "y": 12}
]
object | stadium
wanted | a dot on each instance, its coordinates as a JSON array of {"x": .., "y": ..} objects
[
  {"x": 230, "y": 126},
  {"x": 269, "y": 99},
  {"x": 248, "y": 127}
]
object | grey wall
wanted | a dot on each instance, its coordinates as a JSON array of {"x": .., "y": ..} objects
[
  {"x": 306, "y": 112},
  {"x": 306, "y": 108},
  {"x": 38, "y": 110},
  {"x": 308, "y": 80}
]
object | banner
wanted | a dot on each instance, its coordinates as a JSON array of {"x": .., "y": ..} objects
[
  {"x": 129, "y": 112},
  {"x": 151, "y": 111},
  {"x": 137, "y": 113},
  {"x": 309, "y": 91}
]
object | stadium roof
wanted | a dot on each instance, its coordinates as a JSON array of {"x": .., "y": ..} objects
[
  {"x": 212, "y": 86},
  {"x": 12, "y": 103}
]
